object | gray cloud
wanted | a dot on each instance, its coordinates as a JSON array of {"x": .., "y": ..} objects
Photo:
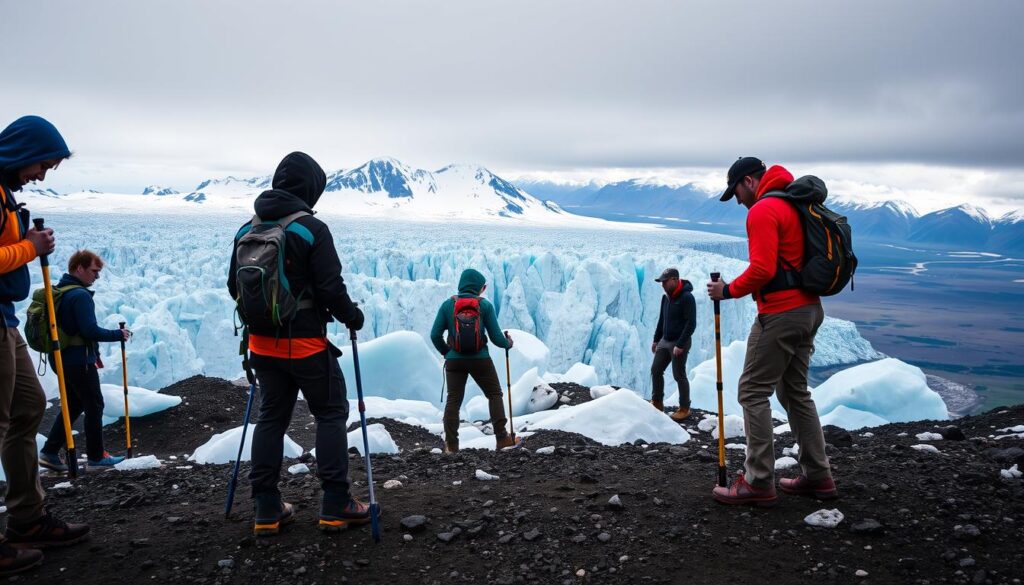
[{"x": 191, "y": 87}]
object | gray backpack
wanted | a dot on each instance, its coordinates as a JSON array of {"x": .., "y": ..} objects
[{"x": 265, "y": 298}]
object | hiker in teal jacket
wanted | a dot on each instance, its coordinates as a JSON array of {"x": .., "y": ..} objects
[{"x": 479, "y": 316}]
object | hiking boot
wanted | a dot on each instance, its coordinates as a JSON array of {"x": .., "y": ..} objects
[
  {"x": 271, "y": 514},
  {"x": 742, "y": 493},
  {"x": 823, "y": 489},
  {"x": 14, "y": 560},
  {"x": 680, "y": 414},
  {"x": 335, "y": 517},
  {"x": 107, "y": 461},
  {"x": 45, "y": 532},
  {"x": 52, "y": 462},
  {"x": 509, "y": 441},
  {"x": 657, "y": 404}
]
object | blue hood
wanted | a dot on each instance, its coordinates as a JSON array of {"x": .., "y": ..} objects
[{"x": 29, "y": 139}]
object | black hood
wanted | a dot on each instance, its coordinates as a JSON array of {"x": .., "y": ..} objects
[{"x": 297, "y": 186}]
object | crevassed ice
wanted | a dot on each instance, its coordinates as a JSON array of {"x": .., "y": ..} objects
[{"x": 587, "y": 294}]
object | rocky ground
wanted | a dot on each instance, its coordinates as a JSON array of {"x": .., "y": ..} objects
[{"x": 911, "y": 516}]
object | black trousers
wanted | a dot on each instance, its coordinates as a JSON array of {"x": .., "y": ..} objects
[
  {"x": 322, "y": 384},
  {"x": 82, "y": 386},
  {"x": 662, "y": 358},
  {"x": 457, "y": 372}
]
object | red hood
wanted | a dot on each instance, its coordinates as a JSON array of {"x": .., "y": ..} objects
[{"x": 775, "y": 178}]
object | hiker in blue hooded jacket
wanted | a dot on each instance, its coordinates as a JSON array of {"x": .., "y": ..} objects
[
  {"x": 76, "y": 323},
  {"x": 469, "y": 320},
  {"x": 29, "y": 148}
]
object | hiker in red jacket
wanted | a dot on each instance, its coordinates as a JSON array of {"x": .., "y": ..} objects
[{"x": 781, "y": 340}]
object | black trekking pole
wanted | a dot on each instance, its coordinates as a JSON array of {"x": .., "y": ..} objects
[
  {"x": 245, "y": 427},
  {"x": 508, "y": 382},
  {"x": 58, "y": 363},
  {"x": 374, "y": 509},
  {"x": 124, "y": 379},
  {"x": 722, "y": 480}
]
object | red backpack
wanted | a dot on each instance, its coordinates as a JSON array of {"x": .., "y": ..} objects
[{"x": 469, "y": 336}]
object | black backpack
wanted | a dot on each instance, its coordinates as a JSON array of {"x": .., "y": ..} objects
[
  {"x": 265, "y": 298},
  {"x": 829, "y": 262},
  {"x": 469, "y": 336}
]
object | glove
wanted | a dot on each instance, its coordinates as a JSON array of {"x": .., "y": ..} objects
[{"x": 356, "y": 322}]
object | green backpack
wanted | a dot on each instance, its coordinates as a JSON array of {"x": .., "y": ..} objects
[{"x": 37, "y": 323}]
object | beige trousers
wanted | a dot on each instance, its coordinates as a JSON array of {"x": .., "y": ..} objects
[
  {"x": 778, "y": 356},
  {"x": 21, "y": 410}
]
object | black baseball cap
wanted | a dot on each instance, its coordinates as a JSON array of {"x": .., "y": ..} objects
[
  {"x": 744, "y": 166},
  {"x": 669, "y": 273}
]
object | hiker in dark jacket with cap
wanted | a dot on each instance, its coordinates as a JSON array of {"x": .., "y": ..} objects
[
  {"x": 672, "y": 340},
  {"x": 297, "y": 355},
  {"x": 76, "y": 324},
  {"x": 780, "y": 344},
  {"x": 478, "y": 316},
  {"x": 29, "y": 148}
]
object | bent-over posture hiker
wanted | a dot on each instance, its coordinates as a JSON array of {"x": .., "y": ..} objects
[
  {"x": 672, "y": 339},
  {"x": 29, "y": 148},
  {"x": 80, "y": 336},
  {"x": 293, "y": 353},
  {"x": 469, "y": 319},
  {"x": 781, "y": 340}
]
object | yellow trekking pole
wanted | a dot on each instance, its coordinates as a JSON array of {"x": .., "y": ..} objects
[
  {"x": 58, "y": 364},
  {"x": 124, "y": 378},
  {"x": 722, "y": 481}
]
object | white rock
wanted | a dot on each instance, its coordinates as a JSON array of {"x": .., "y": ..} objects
[
  {"x": 484, "y": 476},
  {"x": 861, "y": 573},
  {"x": 737, "y": 446},
  {"x": 545, "y": 450},
  {"x": 64, "y": 485},
  {"x": 785, "y": 463},
  {"x": 599, "y": 391},
  {"x": 392, "y": 484},
  {"x": 1015, "y": 429},
  {"x": 791, "y": 451},
  {"x": 436, "y": 451},
  {"x": 825, "y": 518},
  {"x": 929, "y": 437},
  {"x": 1011, "y": 473},
  {"x": 924, "y": 447},
  {"x": 298, "y": 468}
]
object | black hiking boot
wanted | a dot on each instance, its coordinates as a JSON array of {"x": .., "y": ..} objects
[
  {"x": 15, "y": 560},
  {"x": 45, "y": 532},
  {"x": 339, "y": 511},
  {"x": 271, "y": 514}
]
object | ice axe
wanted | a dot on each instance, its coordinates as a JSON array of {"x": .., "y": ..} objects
[
  {"x": 374, "y": 508},
  {"x": 718, "y": 386},
  {"x": 124, "y": 379},
  {"x": 245, "y": 427},
  {"x": 58, "y": 363}
]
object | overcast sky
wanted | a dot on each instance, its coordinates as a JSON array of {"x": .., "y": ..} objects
[{"x": 923, "y": 100}]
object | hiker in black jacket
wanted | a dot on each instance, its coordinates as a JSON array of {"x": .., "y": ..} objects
[
  {"x": 672, "y": 338},
  {"x": 297, "y": 355}
]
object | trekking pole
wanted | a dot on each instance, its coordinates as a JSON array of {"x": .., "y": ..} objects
[
  {"x": 374, "y": 509},
  {"x": 58, "y": 364},
  {"x": 124, "y": 379},
  {"x": 718, "y": 385},
  {"x": 241, "y": 445},
  {"x": 508, "y": 381}
]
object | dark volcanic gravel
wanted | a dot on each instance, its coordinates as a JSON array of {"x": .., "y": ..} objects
[{"x": 911, "y": 516}]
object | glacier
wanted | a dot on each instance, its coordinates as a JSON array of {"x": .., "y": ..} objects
[{"x": 577, "y": 300}]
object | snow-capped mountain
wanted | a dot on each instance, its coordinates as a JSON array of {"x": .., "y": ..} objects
[
  {"x": 160, "y": 191},
  {"x": 385, "y": 175},
  {"x": 385, "y": 186},
  {"x": 885, "y": 219},
  {"x": 382, "y": 187},
  {"x": 1008, "y": 232},
  {"x": 962, "y": 225}
]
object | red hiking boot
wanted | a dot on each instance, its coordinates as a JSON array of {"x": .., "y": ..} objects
[
  {"x": 335, "y": 516},
  {"x": 741, "y": 493},
  {"x": 508, "y": 441},
  {"x": 823, "y": 489}
]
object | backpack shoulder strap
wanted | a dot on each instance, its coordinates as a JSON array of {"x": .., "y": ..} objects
[{"x": 288, "y": 219}]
